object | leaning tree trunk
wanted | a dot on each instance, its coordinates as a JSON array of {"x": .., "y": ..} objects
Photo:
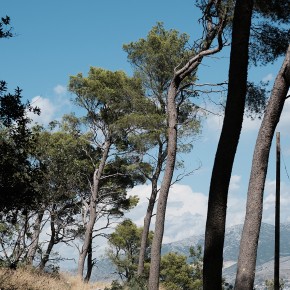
[
  {"x": 147, "y": 219},
  {"x": 226, "y": 150},
  {"x": 35, "y": 238},
  {"x": 92, "y": 211},
  {"x": 250, "y": 236},
  {"x": 164, "y": 190}
]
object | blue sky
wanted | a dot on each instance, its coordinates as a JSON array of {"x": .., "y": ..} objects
[{"x": 56, "y": 39}]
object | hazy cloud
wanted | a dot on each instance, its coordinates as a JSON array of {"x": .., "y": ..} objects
[
  {"x": 60, "y": 90},
  {"x": 269, "y": 77},
  {"x": 185, "y": 213},
  {"x": 235, "y": 182}
]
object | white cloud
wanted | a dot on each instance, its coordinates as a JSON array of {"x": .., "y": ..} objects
[
  {"x": 283, "y": 125},
  {"x": 269, "y": 201},
  {"x": 187, "y": 210},
  {"x": 52, "y": 108},
  {"x": 214, "y": 123},
  {"x": 60, "y": 90},
  {"x": 47, "y": 108},
  {"x": 185, "y": 214},
  {"x": 250, "y": 125},
  {"x": 269, "y": 77},
  {"x": 235, "y": 183},
  {"x": 236, "y": 213}
]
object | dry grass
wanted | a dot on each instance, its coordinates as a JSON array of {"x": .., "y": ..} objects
[{"x": 29, "y": 279}]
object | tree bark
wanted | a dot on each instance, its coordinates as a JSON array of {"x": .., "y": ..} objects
[
  {"x": 93, "y": 213},
  {"x": 250, "y": 235},
  {"x": 164, "y": 190},
  {"x": 148, "y": 216},
  {"x": 89, "y": 263},
  {"x": 35, "y": 238},
  {"x": 226, "y": 150}
]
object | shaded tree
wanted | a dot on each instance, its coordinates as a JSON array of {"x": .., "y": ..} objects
[
  {"x": 16, "y": 173},
  {"x": 264, "y": 44},
  {"x": 226, "y": 150}
]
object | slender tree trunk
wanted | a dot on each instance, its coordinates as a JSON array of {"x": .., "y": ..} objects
[
  {"x": 146, "y": 227},
  {"x": 164, "y": 190},
  {"x": 250, "y": 235},
  {"x": 93, "y": 214},
  {"x": 89, "y": 262},
  {"x": 35, "y": 238},
  {"x": 147, "y": 219},
  {"x": 226, "y": 150}
]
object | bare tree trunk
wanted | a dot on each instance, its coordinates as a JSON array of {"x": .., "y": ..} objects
[
  {"x": 93, "y": 214},
  {"x": 35, "y": 238},
  {"x": 226, "y": 150},
  {"x": 147, "y": 219},
  {"x": 163, "y": 195},
  {"x": 250, "y": 236},
  {"x": 89, "y": 262}
]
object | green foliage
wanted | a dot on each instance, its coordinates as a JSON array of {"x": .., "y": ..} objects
[
  {"x": 268, "y": 43},
  {"x": 65, "y": 159},
  {"x": 256, "y": 99},
  {"x": 176, "y": 273},
  {"x": 270, "y": 32},
  {"x": 270, "y": 284},
  {"x": 116, "y": 106},
  {"x": 106, "y": 95},
  {"x": 17, "y": 174},
  {"x": 124, "y": 249},
  {"x": 155, "y": 58},
  {"x": 115, "y": 285},
  {"x": 275, "y": 10}
]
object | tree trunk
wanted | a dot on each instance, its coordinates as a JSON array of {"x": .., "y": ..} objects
[
  {"x": 147, "y": 219},
  {"x": 164, "y": 190},
  {"x": 250, "y": 236},
  {"x": 93, "y": 214},
  {"x": 51, "y": 243},
  {"x": 89, "y": 262},
  {"x": 226, "y": 150},
  {"x": 35, "y": 238}
]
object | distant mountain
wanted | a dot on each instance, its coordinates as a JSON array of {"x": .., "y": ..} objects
[
  {"x": 265, "y": 254},
  {"x": 231, "y": 251}
]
